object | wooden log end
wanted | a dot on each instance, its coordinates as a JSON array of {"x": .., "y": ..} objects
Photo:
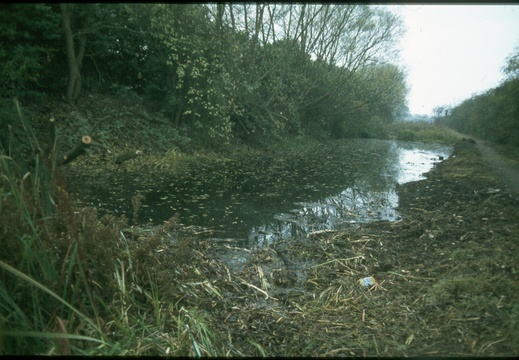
[{"x": 86, "y": 139}]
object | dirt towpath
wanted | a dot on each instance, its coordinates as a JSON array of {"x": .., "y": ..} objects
[{"x": 505, "y": 171}]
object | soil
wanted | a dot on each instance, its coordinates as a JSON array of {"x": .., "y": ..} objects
[{"x": 445, "y": 276}]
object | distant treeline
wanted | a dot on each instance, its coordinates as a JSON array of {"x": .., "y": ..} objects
[
  {"x": 493, "y": 115},
  {"x": 217, "y": 71}
]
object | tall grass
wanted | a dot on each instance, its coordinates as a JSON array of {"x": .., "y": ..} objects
[
  {"x": 68, "y": 281},
  {"x": 421, "y": 131}
]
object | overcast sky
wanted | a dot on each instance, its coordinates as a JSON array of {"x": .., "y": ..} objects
[{"x": 454, "y": 51}]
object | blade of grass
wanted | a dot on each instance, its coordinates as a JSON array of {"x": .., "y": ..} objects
[
  {"x": 36, "y": 284},
  {"x": 28, "y": 129},
  {"x": 257, "y": 346},
  {"x": 155, "y": 300},
  {"x": 46, "y": 335},
  {"x": 10, "y": 307}
]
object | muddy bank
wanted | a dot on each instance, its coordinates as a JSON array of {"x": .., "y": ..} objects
[
  {"x": 452, "y": 259},
  {"x": 445, "y": 277}
]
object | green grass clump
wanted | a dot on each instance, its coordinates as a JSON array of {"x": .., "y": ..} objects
[{"x": 421, "y": 131}]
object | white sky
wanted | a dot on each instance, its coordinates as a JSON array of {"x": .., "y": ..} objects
[{"x": 454, "y": 51}]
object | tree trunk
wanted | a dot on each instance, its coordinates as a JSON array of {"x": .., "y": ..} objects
[
  {"x": 74, "y": 62},
  {"x": 220, "y": 10}
]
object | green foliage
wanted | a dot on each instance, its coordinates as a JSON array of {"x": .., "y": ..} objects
[
  {"x": 492, "y": 116},
  {"x": 514, "y": 323},
  {"x": 224, "y": 71},
  {"x": 28, "y": 34},
  {"x": 19, "y": 139},
  {"x": 199, "y": 92},
  {"x": 221, "y": 73},
  {"x": 123, "y": 124}
]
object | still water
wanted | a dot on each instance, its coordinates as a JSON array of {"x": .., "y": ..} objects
[
  {"x": 370, "y": 196},
  {"x": 352, "y": 182}
]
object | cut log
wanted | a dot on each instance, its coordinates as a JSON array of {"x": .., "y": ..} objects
[
  {"x": 78, "y": 150},
  {"x": 128, "y": 156}
]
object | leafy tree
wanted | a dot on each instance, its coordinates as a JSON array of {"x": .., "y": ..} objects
[
  {"x": 493, "y": 115},
  {"x": 126, "y": 54},
  {"x": 200, "y": 87},
  {"x": 343, "y": 39}
]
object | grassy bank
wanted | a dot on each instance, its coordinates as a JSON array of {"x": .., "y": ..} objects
[{"x": 68, "y": 281}]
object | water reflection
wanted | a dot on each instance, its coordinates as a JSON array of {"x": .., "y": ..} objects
[
  {"x": 368, "y": 200},
  {"x": 350, "y": 206},
  {"x": 415, "y": 161}
]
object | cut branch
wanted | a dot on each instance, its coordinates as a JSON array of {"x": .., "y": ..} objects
[
  {"x": 77, "y": 151},
  {"x": 128, "y": 156}
]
